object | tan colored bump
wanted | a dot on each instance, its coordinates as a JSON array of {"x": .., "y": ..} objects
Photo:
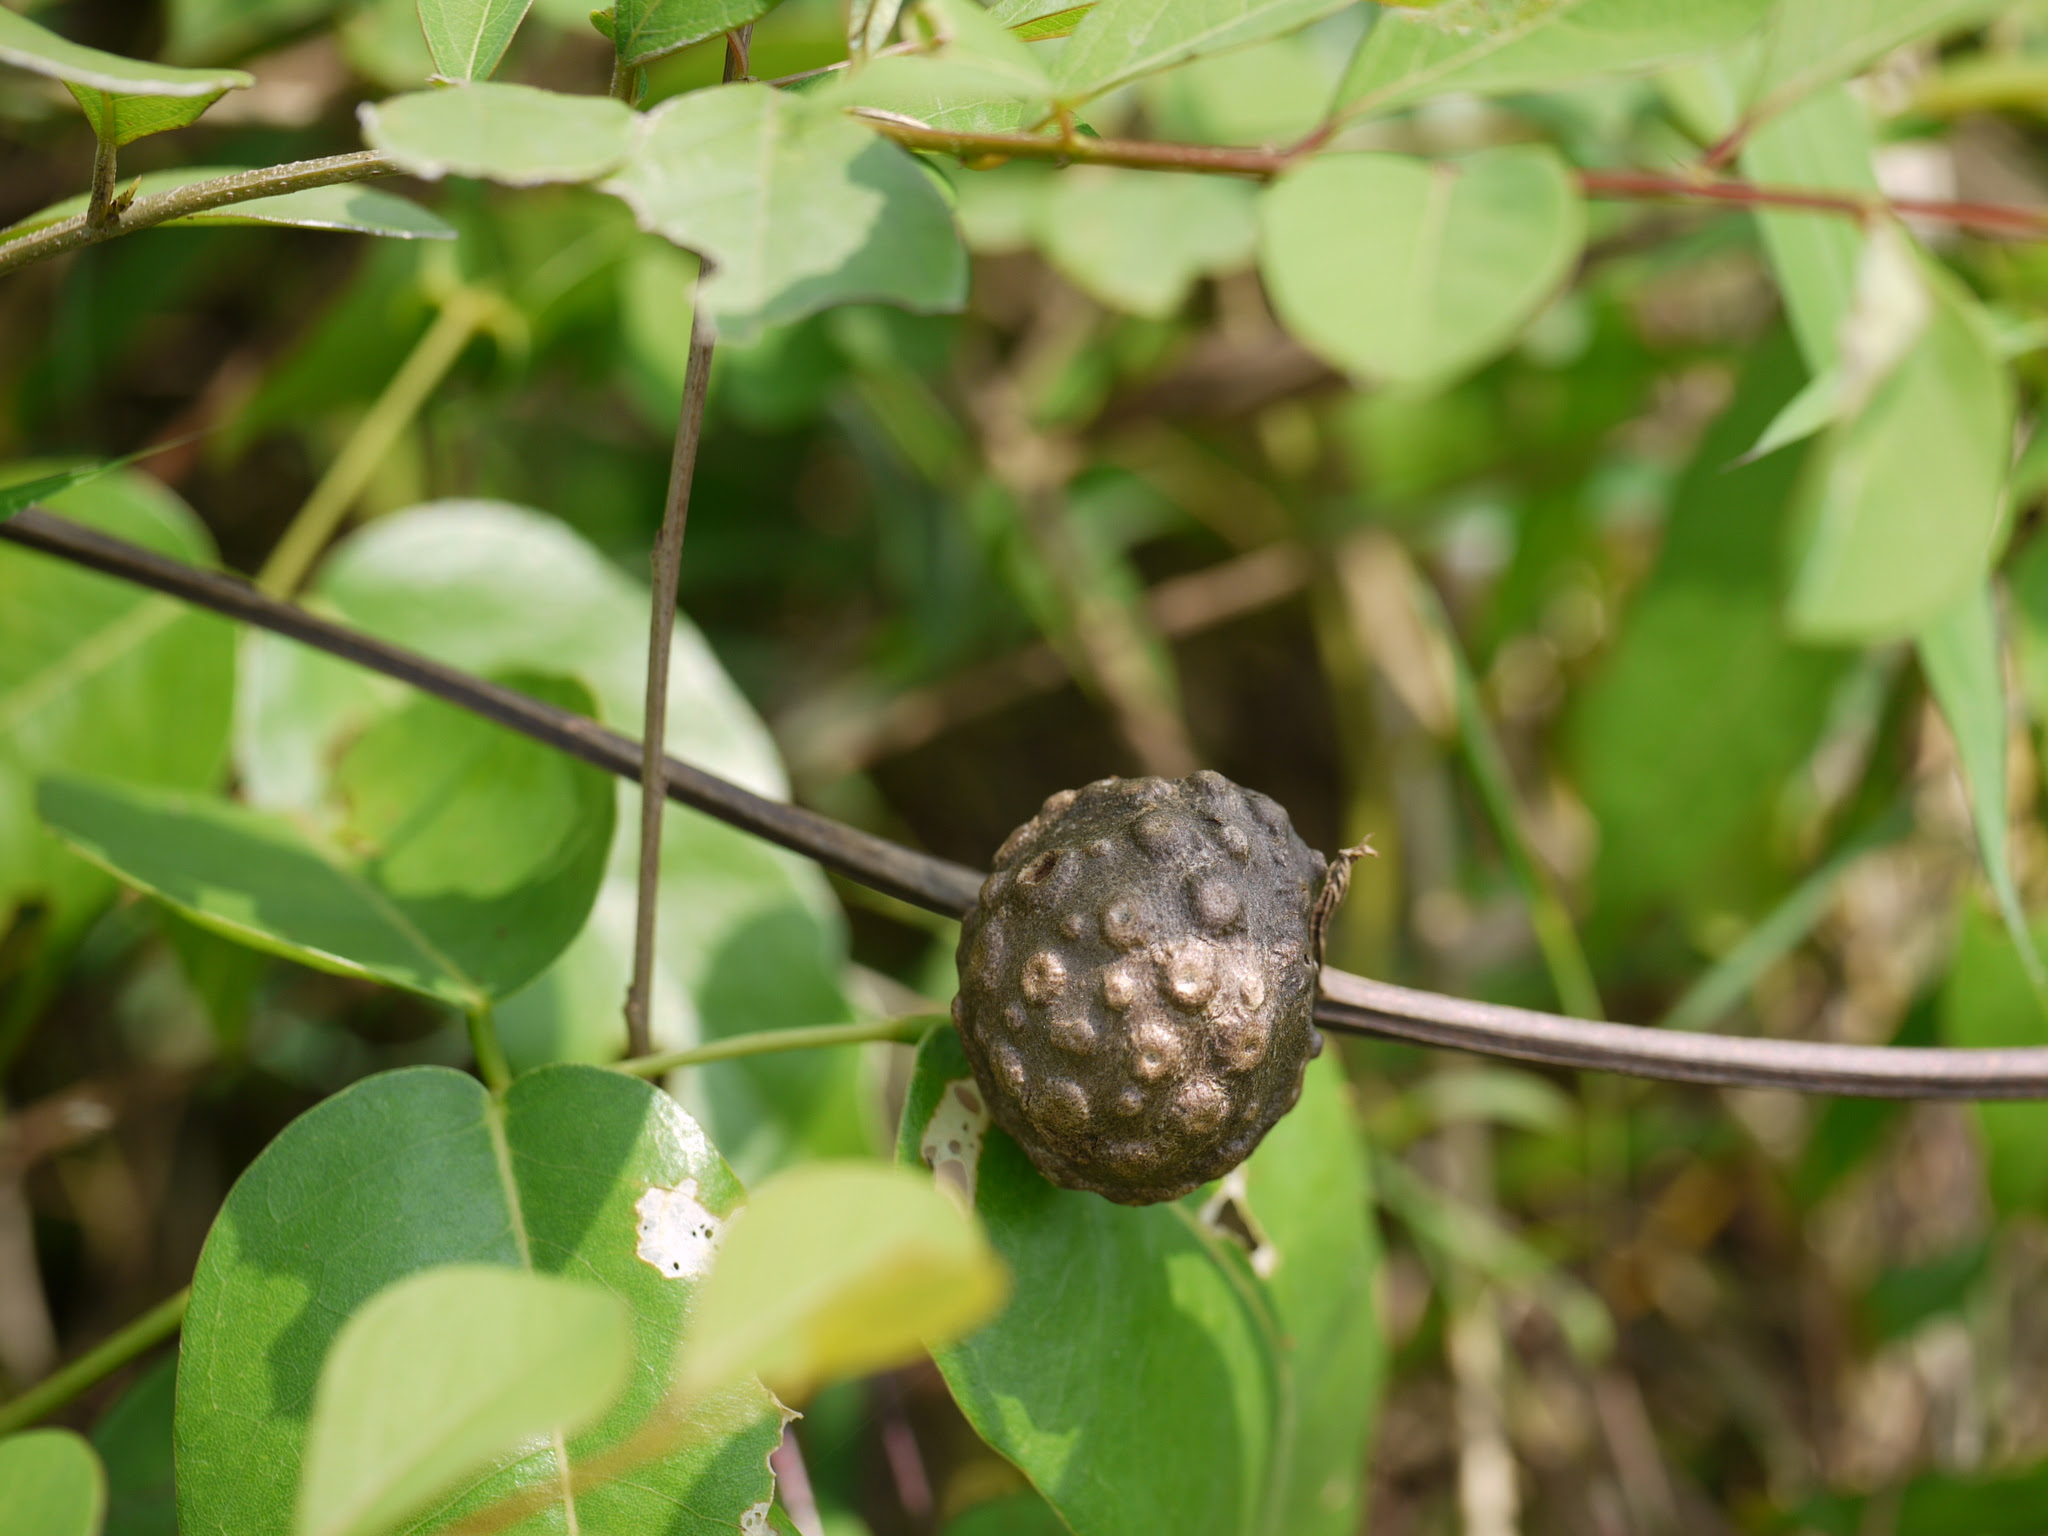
[
  {"x": 1044, "y": 978},
  {"x": 1189, "y": 978}
]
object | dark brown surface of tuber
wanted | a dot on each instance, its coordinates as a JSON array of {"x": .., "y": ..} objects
[{"x": 1137, "y": 982}]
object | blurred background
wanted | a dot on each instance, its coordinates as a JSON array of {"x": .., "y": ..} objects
[{"x": 1522, "y": 630}]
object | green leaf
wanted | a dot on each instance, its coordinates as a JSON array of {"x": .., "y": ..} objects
[
  {"x": 1306, "y": 1198},
  {"x": 124, "y": 98},
  {"x": 1405, "y": 270},
  {"x": 1684, "y": 738},
  {"x": 1273, "y": 94},
  {"x": 468, "y": 37},
  {"x": 469, "y": 859},
  {"x": 840, "y": 1269},
  {"x": 980, "y": 78},
  {"x": 509, "y": 133},
  {"x": 1120, "y": 40},
  {"x": 1139, "y": 240},
  {"x": 1809, "y": 44},
  {"x": 1990, "y": 1001},
  {"x": 348, "y": 207},
  {"x": 1900, "y": 513},
  {"x": 1159, "y": 1408},
  {"x": 1496, "y": 46},
  {"x": 576, "y": 1172},
  {"x": 752, "y": 938},
  {"x": 99, "y": 677},
  {"x": 204, "y": 29},
  {"x": 1965, "y": 667},
  {"x": 797, "y": 208},
  {"x": 644, "y": 30},
  {"x": 1824, "y": 143},
  {"x": 53, "y": 1483},
  {"x": 444, "y": 1373},
  {"x": 133, "y": 1439},
  {"x": 963, "y": 95},
  {"x": 1024, "y": 1514}
]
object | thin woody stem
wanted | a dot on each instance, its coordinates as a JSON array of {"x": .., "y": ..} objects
[
  {"x": 196, "y": 197},
  {"x": 1262, "y": 164},
  {"x": 668, "y": 566}
]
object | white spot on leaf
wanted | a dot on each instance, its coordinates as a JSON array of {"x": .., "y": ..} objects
[
  {"x": 754, "y": 1520},
  {"x": 951, "y": 1145},
  {"x": 678, "y": 1232}
]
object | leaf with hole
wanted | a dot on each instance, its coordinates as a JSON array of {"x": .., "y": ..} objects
[
  {"x": 467, "y": 38},
  {"x": 1407, "y": 270},
  {"x": 439, "y": 1376},
  {"x": 100, "y": 677},
  {"x": 53, "y": 1482},
  {"x": 1161, "y": 1407},
  {"x": 513, "y": 134},
  {"x": 124, "y": 98},
  {"x": 576, "y": 1173},
  {"x": 1491, "y": 48},
  {"x": 467, "y": 860},
  {"x": 796, "y": 208}
]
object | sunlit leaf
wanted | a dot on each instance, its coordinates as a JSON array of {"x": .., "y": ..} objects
[
  {"x": 575, "y": 1172},
  {"x": 837, "y": 1270},
  {"x": 1403, "y": 269},
  {"x": 53, "y": 1483},
  {"x": 1495, "y": 46},
  {"x": 1121, "y": 40},
  {"x": 468, "y": 37},
  {"x": 124, "y": 98},
  {"x": 437, "y": 1377},
  {"x": 1139, "y": 240},
  {"x": 509, "y": 133},
  {"x": 796, "y": 207}
]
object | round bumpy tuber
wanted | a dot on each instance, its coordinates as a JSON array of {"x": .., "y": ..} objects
[{"x": 1137, "y": 982}]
